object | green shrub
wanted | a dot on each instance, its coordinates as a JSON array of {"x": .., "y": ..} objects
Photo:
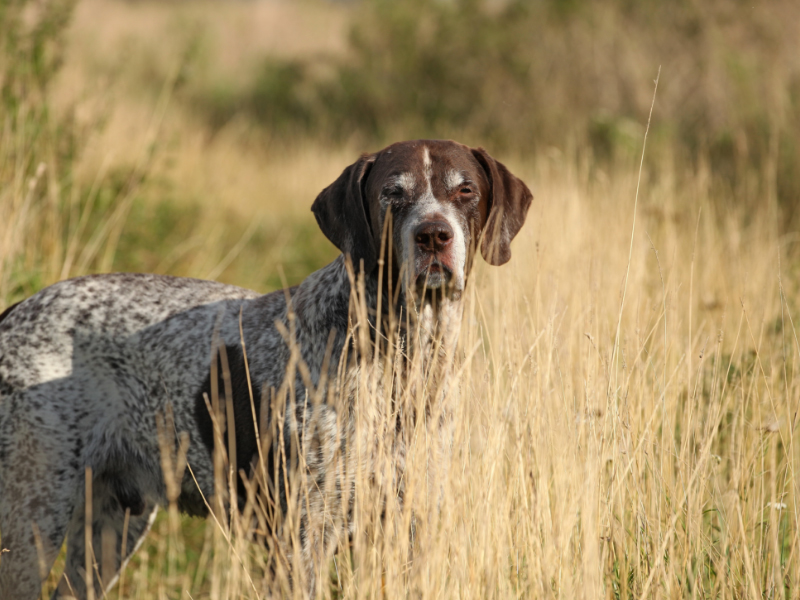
[{"x": 572, "y": 74}]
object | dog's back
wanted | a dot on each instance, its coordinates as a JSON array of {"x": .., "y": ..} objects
[{"x": 84, "y": 369}]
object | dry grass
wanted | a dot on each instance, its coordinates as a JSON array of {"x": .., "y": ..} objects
[
  {"x": 106, "y": 75},
  {"x": 117, "y": 96},
  {"x": 665, "y": 470},
  {"x": 667, "y": 473}
]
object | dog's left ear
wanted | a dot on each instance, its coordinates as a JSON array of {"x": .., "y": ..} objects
[
  {"x": 342, "y": 213},
  {"x": 509, "y": 201}
]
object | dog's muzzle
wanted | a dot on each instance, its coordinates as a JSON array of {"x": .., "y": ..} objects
[{"x": 433, "y": 261}]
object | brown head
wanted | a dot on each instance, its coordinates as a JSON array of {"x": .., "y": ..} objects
[{"x": 441, "y": 199}]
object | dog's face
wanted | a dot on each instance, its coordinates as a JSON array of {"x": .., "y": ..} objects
[
  {"x": 438, "y": 200},
  {"x": 433, "y": 196}
]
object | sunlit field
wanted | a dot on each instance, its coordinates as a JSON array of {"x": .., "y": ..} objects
[{"x": 629, "y": 383}]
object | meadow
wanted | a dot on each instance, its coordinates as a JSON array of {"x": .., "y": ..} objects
[{"x": 630, "y": 381}]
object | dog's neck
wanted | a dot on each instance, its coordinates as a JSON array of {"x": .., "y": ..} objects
[{"x": 326, "y": 301}]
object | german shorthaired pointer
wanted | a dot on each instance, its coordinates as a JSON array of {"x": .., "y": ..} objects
[{"x": 92, "y": 368}]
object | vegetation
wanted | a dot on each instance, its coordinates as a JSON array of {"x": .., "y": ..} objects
[
  {"x": 567, "y": 74},
  {"x": 630, "y": 390}
]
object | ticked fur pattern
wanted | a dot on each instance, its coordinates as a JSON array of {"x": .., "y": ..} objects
[{"x": 298, "y": 387}]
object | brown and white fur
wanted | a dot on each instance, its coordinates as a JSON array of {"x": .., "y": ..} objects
[{"x": 89, "y": 367}]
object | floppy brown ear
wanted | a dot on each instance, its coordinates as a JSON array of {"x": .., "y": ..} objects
[
  {"x": 342, "y": 213},
  {"x": 509, "y": 201}
]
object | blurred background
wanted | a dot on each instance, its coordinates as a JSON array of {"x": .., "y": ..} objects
[{"x": 145, "y": 125}]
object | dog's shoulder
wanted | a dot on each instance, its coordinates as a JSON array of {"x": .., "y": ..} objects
[
  {"x": 104, "y": 311},
  {"x": 115, "y": 298}
]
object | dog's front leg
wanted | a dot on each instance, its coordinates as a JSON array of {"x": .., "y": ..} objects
[{"x": 321, "y": 495}]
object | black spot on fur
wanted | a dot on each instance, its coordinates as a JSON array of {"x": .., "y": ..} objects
[
  {"x": 125, "y": 492},
  {"x": 77, "y": 450},
  {"x": 244, "y": 427},
  {"x": 129, "y": 498},
  {"x": 5, "y": 387},
  {"x": 192, "y": 503},
  {"x": 7, "y": 311}
]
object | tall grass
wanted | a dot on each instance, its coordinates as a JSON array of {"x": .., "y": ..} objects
[
  {"x": 96, "y": 176},
  {"x": 670, "y": 472},
  {"x": 31, "y": 139}
]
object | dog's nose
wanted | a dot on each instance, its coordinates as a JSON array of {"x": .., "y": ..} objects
[{"x": 433, "y": 236}]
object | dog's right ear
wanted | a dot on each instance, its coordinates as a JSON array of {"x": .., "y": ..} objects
[{"x": 342, "y": 213}]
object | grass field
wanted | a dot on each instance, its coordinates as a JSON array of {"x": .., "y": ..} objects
[{"x": 630, "y": 381}]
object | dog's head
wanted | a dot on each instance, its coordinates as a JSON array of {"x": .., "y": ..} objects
[{"x": 439, "y": 199}]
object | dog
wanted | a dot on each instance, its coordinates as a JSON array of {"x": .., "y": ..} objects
[{"x": 90, "y": 366}]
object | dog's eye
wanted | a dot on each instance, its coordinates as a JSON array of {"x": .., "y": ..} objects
[
  {"x": 466, "y": 191},
  {"x": 393, "y": 192}
]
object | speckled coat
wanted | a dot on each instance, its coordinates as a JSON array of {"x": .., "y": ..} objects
[{"x": 91, "y": 367}]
